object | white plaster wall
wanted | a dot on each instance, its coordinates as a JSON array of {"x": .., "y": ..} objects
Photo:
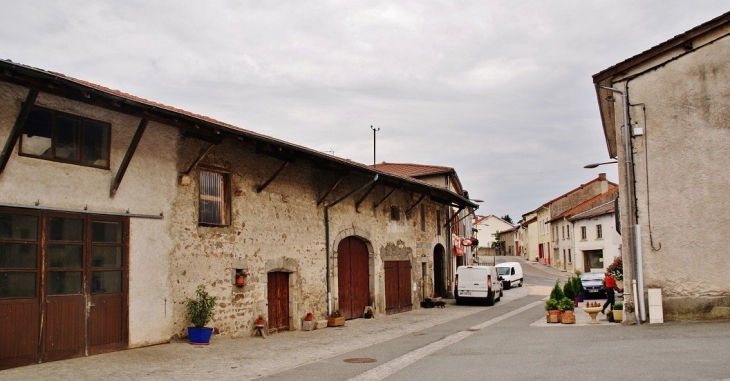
[
  {"x": 147, "y": 188},
  {"x": 682, "y": 167},
  {"x": 610, "y": 243}
]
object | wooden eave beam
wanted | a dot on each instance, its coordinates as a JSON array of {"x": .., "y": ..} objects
[
  {"x": 17, "y": 128},
  {"x": 321, "y": 200},
  {"x": 199, "y": 158},
  {"x": 128, "y": 156},
  {"x": 450, "y": 220},
  {"x": 384, "y": 198},
  {"x": 420, "y": 199},
  {"x": 274, "y": 176},
  {"x": 364, "y": 196}
]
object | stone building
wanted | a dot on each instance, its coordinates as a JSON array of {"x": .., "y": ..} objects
[{"x": 113, "y": 209}]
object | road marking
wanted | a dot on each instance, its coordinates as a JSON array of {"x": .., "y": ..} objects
[{"x": 387, "y": 369}]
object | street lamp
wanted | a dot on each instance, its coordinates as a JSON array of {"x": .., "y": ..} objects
[{"x": 594, "y": 165}]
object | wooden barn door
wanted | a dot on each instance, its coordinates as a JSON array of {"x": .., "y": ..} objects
[
  {"x": 439, "y": 286},
  {"x": 397, "y": 287},
  {"x": 278, "y": 287},
  {"x": 353, "y": 277}
]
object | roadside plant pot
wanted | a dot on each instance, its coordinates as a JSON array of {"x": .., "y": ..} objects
[
  {"x": 618, "y": 316},
  {"x": 568, "y": 317},
  {"x": 554, "y": 316},
  {"x": 200, "y": 336},
  {"x": 260, "y": 322},
  {"x": 240, "y": 281},
  {"x": 309, "y": 316}
]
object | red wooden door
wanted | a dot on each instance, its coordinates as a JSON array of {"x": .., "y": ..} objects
[
  {"x": 398, "y": 296},
  {"x": 353, "y": 277},
  {"x": 278, "y": 290}
]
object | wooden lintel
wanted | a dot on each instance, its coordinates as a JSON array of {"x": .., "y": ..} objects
[
  {"x": 275, "y": 175},
  {"x": 384, "y": 198},
  {"x": 321, "y": 200},
  {"x": 17, "y": 128},
  {"x": 420, "y": 199},
  {"x": 128, "y": 156},
  {"x": 200, "y": 157},
  {"x": 367, "y": 193}
]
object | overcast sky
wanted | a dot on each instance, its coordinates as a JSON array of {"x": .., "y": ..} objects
[{"x": 499, "y": 90}]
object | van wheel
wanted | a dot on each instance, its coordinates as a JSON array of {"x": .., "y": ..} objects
[
  {"x": 458, "y": 301},
  {"x": 490, "y": 299},
  {"x": 520, "y": 285}
]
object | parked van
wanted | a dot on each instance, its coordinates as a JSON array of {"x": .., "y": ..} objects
[
  {"x": 478, "y": 283},
  {"x": 511, "y": 273}
]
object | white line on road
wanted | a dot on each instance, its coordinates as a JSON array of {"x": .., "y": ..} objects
[{"x": 385, "y": 370}]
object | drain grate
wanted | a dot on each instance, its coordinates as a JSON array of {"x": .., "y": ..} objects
[{"x": 360, "y": 360}]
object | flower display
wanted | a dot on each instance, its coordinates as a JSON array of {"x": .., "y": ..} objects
[{"x": 616, "y": 269}]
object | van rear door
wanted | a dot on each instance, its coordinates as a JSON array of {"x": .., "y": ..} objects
[{"x": 473, "y": 282}]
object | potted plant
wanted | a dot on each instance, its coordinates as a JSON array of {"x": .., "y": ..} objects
[
  {"x": 552, "y": 307},
  {"x": 199, "y": 312},
  {"x": 618, "y": 311},
  {"x": 566, "y": 308},
  {"x": 335, "y": 319},
  {"x": 592, "y": 309},
  {"x": 569, "y": 289},
  {"x": 241, "y": 275}
]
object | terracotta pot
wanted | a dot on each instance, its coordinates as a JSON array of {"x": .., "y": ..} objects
[
  {"x": 309, "y": 316},
  {"x": 260, "y": 322},
  {"x": 553, "y": 316},
  {"x": 240, "y": 281},
  {"x": 568, "y": 317}
]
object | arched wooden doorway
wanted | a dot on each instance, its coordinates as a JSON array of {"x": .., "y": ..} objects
[
  {"x": 353, "y": 277},
  {"x": 439, "y": 284}
]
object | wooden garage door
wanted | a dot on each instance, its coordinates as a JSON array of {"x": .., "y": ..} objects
[
  {"x": 63, "y": 285},
  {"x": 397, "y": 287},
  {"x": 278, "y": 290},
  {"x": 353, "y": 279}
]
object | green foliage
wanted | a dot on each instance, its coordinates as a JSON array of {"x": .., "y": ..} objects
[
  {"x": 618, "y": 306},
  {"x": 200, "y": 309},
  {"x": 507, "y": 218},
  {"x": 566, "y": 304},
  {"x": 557, "y": 292},
  {"x": 569, "y": 289},
  {"x": 552, "y": 304}
]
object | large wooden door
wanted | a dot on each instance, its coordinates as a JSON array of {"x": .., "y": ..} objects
[
  {"x": 353, "y": 277},
  {"x": 79, "y": 304},
  {"x": 398, "y": 296},
  {"x": 439, "y": 286},
  {"x": 278, "y": 291}
]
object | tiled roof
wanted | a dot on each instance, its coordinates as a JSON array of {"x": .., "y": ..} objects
[
  {"x": 600, "y": 210},
  {"x": 412, "y": 170},
  {"x": 613, "y": 193}
]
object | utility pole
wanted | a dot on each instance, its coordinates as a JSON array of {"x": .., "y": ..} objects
[{"x": 374, "y": 131}]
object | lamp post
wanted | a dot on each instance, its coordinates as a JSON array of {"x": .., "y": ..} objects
[{"x": 594, "y": 165}]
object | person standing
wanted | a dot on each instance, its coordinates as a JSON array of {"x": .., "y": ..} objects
[{"x": 610, "y": 295}]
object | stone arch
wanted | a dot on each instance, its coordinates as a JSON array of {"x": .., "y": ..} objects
[{"x": 377, "y": 301}]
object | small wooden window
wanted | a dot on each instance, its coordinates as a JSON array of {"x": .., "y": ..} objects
[
  {"x": 583, "y": 233},
  {"x": 56, "y": 136},
  {"x": 214, "y": 198},
  {"x": 394, "y": 213},
  {"x": 599, "y": 231}
]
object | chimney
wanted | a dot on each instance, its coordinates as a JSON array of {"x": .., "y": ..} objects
[{"x": 604, "y": 182}]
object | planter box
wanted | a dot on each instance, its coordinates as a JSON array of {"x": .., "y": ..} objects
[
  {"x": 553, "y": 316},
  {"x": 336, "y": 321}
]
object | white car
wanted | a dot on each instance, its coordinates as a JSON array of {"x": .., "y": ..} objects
[
  {"x": 511, "y": 273},
  {"x": 477, "y": 283}
]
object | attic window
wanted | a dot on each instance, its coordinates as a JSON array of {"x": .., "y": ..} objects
[
  {"x": 394, "y": 213},
  {"x": 56, "y": 136},
  {"x": 214, "y": 198}
]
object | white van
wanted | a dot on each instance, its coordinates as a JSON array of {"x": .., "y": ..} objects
[
  {"x": 511, "y": 273},
  {"x": 478, "y": 283}
]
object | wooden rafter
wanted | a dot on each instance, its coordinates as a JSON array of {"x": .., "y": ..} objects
[
  {"x": 384, "y": 198},
  {"x": 420, "y": 199},
  {"x": 128, "y": 156},
  {"x": 17, "y": 128},
  {"x": 321, "y": 199},
  {"x": 274, "y": 176},
  {"x": 200, "y": 157},
  {"x": 367, "y": 193}
]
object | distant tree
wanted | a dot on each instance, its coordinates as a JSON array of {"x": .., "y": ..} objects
[
  {"x": 507, "y": 218},
  {"x": 495, "y": 244}
]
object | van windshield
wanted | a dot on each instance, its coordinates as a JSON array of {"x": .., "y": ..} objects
[{"x": 503, "y": 270}]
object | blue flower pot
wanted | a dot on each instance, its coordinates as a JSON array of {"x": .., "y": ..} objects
[{"x": 200, "y": 336}]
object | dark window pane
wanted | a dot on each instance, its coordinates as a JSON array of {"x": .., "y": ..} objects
[
  {"x": 67, "y": 138},
  {"x": 17, "y": 285},
  {"x": 104, "y": 231},
  {"x": 65, "y": 229},
  {"x": 96, "y": 143},
  {"x": 15, "y": 226},
  {"x": 64, "y": 283},
  {"x": 104, "y": 256},
  {"x": 37, "y": 133},
  {"x": 17, "y": 256},
  {"x": 65, "y": 256},
  {"x": 106, "y": 282}
]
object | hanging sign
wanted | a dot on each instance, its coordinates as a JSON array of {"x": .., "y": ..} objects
[{"x": 466, "y": 242}]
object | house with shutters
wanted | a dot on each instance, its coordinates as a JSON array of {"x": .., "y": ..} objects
[
  {"x": 665, "y": 116},
  {"x": 114, "y": 208}
]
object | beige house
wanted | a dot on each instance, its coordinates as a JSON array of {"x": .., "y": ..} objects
[
  {"x": 666, "y": 119},
  {"x": 113, "y": 209},
  {"x": 596, "y": 240},
  {"x": 488, "y": 226}
]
